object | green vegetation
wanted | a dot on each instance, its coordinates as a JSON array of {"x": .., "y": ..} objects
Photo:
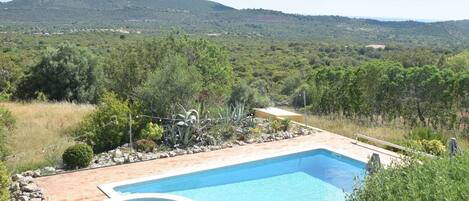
[
  {"x": 204, "y": 17},
  {"x": 441, "y": 178},
  {"x": 77, "y": 156},
  {"x": 67, "y": 73},
  {"x": 7, "y": 124},
  {"x": 145, "y": 145},
  {"x": 418, "y": 96},
  {"x": 106, "y": 128},
  {"x": 152, "y": 132},
  {"x": 4, "y": 183}
]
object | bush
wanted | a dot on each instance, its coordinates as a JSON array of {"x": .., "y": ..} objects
[
  {"x": 425, "y": 134},
  {"x": 4, "y": 183},
  {"x": 286, "y": 124},
  {"x": 434, "y": 147},
  {"x": 176, "y": 84},
  {"x": 77, "y": 156},
  {"x": 243, "y": 93},
  {"x": 276, "y": 126},
  {"x": 417, "y": 180},
  {"x": 221, "y": 133},
  {"x": 152, "y": 132},
  {"x": 67, "y": 73},
  {"x": 107, "y": 127},
  {"x": 7, "y": 123},
  {"x": 145, "y": 145}
]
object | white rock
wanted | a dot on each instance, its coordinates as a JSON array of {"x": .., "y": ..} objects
[
  {"x": 117, "y": 153},
  {"x": 23, "y": 198},
  {"x": 30, "y": 188}
]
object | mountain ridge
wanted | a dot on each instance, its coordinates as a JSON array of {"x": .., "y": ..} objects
[{"x": 203, "y": 16}]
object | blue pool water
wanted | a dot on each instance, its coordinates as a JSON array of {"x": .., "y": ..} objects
[{"x": 313, "y": 175}]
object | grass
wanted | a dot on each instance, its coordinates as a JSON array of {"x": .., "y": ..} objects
[
  {"x": 387, "y": 132},
  {"x": 42, "y": 132},
  {"x": 349, "y": 128}
]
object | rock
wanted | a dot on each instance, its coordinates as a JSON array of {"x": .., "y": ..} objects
[
  {"x": 172, "y": 154},
  {"x": 36, "y": 199},
  {"x": 117, "y": 153},
  {"x": 36, "y": 173},
  {"x": 30, "y": 188},
  {"x": 205, "y": 149},
  {"x": 15, "y": 186},
  {"x": 16, "y": 177},
  {"x": 164, "y": 155},
  {"x": 28, "y": 173},
  {"x": 179, "y": 152},
  {"x": 23, "y": 198},
  {"x": 139, "y": 155},
  {"x": 119, "y": 160}
]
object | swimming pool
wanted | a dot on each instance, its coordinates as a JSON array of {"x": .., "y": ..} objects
[{"x": 312, "y": 175}]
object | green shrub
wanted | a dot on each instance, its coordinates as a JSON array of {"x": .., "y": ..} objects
[
  {"x": 4, "y": 183},
  {"x": 442, "y": 178},
  {"x": 276, "y": 125},
  {"x": 107, "y": 127},
  {"x": 255, "y": 132},
  {"x": 434, "y": 147},
  {"x": 243, "y": 93},
  {"x": 145, "y": 145},
  {"x": 222, "y": 133},
  {"x": 152, "y": 132},
  {"x": 77, "y": 156},
  {"x": 286, "y": 124},
  {"x": 7, "y": 124},
  {"x": 425, "y": 134}
]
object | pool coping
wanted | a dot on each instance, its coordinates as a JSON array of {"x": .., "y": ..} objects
[{"x": 108, "y": 189}]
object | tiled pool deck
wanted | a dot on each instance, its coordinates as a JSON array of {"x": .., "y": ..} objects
[{"x": 83, "y": 185}]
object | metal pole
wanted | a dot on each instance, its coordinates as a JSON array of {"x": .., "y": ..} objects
[
  {"x": 304, "y": 102},
  {"x": 130, "y": 132}
]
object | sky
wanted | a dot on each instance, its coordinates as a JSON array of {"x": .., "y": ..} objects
[{"x": 433, "y": 10}]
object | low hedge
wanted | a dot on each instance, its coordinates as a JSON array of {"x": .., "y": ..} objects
[{"x": 77, "y": 156}]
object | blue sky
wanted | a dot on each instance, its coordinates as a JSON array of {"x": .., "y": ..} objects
[{"x": 392, "y": 9}]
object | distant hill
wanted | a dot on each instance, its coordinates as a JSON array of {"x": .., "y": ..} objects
[
  {"x": 204, "y": 17},
  {"x": 100, "y": 5}
]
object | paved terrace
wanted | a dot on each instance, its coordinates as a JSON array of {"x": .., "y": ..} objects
[{"x": 82, "y": 185}]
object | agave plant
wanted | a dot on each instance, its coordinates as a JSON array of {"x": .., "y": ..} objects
[
  {"x": 181, "y": 131},
  {"x": 234, "y": 114}
]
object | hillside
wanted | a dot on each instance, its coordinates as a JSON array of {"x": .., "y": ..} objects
[{"x": 203, "y": 17}]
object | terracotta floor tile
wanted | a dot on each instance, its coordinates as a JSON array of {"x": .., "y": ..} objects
[{"x": 83, "y": 185}]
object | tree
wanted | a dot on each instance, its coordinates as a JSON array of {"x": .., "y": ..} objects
[
  {"x": 459, "y": 62},
  {"x": 131, "y": 65},
  {"x": 10, "y": 73},
  {"x": 67, "y": 73},
  {"x": 176, "y": 84}
]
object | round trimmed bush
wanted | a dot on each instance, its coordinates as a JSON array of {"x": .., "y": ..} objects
[
  {"x": 77, "y": 156},
  {"x": 145, "y": 145},
  {"x": 4, "y": 183}
]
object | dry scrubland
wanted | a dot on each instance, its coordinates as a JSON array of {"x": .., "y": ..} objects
[
  {"x": 42, "y": 132},
  {"x": 348, "y": 128}
]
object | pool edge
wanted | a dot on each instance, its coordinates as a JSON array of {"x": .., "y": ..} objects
[{"x": 108, "y": 189}]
